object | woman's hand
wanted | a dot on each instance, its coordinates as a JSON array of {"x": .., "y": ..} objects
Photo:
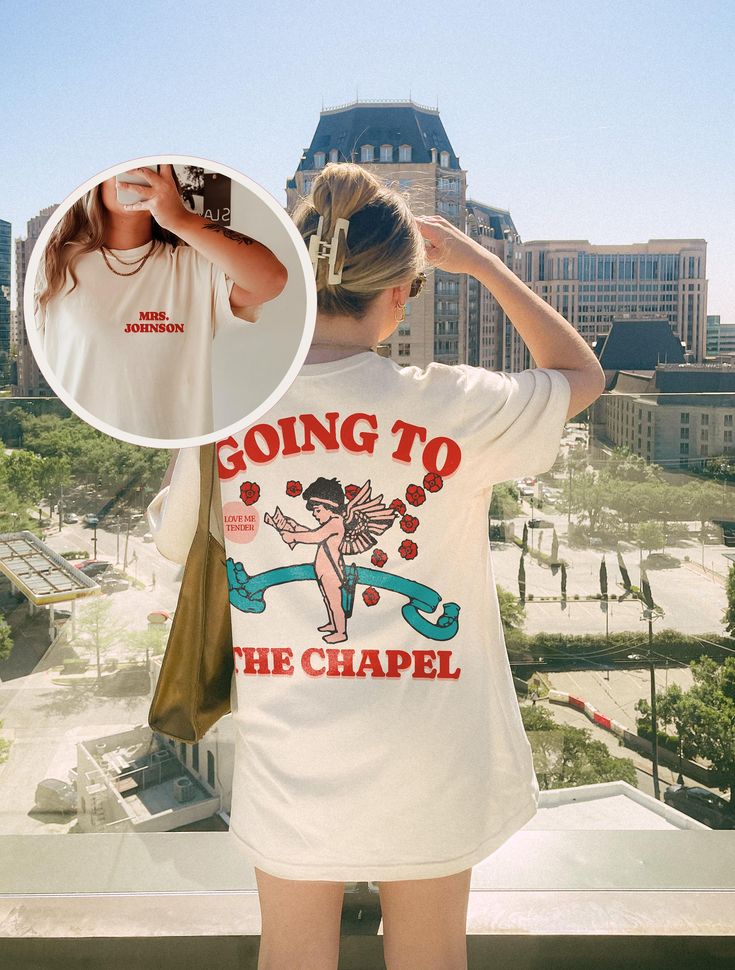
[
  {"x": 161, "y": 198},
  {"x": 449, "y": 248}
]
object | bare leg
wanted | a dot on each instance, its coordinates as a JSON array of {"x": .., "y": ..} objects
[
  {"x": 331, "y": 587},
  {"x": 329, "y": 625},
  {"x": 425, "y": 922},
  {"x": 300, "y": 923}
]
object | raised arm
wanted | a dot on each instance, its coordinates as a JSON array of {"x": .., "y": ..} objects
[
  {"x": 311, "y": 536},
  {"x": 257, "y": 273},
  {"x": 552, "y": 341}
]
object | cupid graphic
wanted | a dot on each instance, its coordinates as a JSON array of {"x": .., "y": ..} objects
[{"x": 344, "y": 527}]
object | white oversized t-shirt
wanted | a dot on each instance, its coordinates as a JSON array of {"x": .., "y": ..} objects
[
  {"x": 136, "y": 350},
  {"x": 397, "y": 752}
]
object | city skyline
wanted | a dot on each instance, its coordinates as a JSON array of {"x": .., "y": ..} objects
[{"x": 601, "y": 135}]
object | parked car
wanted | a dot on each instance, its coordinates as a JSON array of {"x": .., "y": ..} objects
[
  {"x": 701, "y": 804},
  {"x": 53, "y": 795},
  {"x": 95, "y": 567},
  {"x": 148, "y": 537},
  {"x": 661, "y": 560},
  {"x": 114, "y": 584},
  {"x": 91, "y": 520},
  {"x": 526, "y": 490},
  {"x": 70, "y": 518}
]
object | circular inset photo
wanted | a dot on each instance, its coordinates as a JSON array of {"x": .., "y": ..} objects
[{"x": 170, "y": 300}]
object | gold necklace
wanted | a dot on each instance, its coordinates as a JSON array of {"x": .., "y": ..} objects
[{"x": 142, "y": 260}]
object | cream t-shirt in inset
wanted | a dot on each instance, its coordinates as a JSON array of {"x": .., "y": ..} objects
[
  {"x": 136, "y": 350},
  {"x": 396, "y": 749}
]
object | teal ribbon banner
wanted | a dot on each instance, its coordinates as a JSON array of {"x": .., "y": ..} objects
[{"x": 247, "y": 592}]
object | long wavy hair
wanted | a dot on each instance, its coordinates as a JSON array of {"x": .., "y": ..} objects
[{"x": 81, "y": 230}]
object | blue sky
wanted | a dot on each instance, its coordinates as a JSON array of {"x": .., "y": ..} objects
[{"x": 613, "y": 122}]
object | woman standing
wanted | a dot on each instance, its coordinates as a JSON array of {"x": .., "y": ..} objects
[{"x": 399, "y": 756}]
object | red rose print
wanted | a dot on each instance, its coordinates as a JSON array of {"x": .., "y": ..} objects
[
  {"x": 433, "y": 482},
  {"x": 294, "y": 488},
  {"x": 415, "y": 495},
  {"x": 408, "y": 549},
  {"x": 398, "y": 505},
  {"x": 409, "y": 523},
  {"x": 371, "y": 596},
  {"x": 249, "y": 492},
  {"x": 351, "y": 491},
  {"x": 378, "y": 558}
]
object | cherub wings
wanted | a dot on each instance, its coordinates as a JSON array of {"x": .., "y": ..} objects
[{"x": 365, "y": 518}]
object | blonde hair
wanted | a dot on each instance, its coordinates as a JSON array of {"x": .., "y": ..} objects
[
  {"x": 383, "y": 249},
  {"x": 81, "y": 230}
]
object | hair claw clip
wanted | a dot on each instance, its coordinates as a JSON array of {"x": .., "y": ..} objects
[{"x": 320, "y": 249}]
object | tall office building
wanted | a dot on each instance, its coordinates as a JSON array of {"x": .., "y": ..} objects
[
  {"x": 492, "y": 340},
  {"x": 405, "y": 145},
  {"x": 4, "y": 301},
  {"x": 589, "y": 285},
  {"x": 30, "y": 381}
]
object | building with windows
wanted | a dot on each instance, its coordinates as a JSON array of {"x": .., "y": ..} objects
[
  {"x": 405, "y": 145},
  {"x": 456, "y": 320},
  {"x": 720, "y": 337},
  {"x": 675, "y": 414},
  {"x": 589, "y": 285},
  {"x": 492, "y": 340},
  {"x": 30, "y": 381},
  {"x": 5, "y": 340}
]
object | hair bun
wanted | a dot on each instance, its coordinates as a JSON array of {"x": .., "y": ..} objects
[
  {"x": 383, "y": 247},
  {"x": 341, "y": 190}
]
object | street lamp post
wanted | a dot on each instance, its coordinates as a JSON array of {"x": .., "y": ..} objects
[
  {"x": 648, "y": 615},
  {"x": 569, "y": 506}
]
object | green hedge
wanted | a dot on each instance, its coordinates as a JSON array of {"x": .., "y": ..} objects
[{"x": 598, "y": 649}]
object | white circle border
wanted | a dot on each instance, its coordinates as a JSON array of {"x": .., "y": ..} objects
[{"x": 34, "y": 338}]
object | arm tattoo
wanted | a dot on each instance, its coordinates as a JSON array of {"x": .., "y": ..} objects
[{"x": 237, "y": 237}]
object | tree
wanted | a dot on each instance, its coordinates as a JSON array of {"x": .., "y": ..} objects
[
  {"x": 704, "y": 715},
  {"x": 554, "y": 547},
  {"x": 6, "y": 640},
  {"x": 566, "y": 756},
  {"x": 55, "y": 475},
  {"x": 98, "y": 632},
  {"x": 522, "y": 580},
  {"x": 13, "y": 513},
  {"x": 651, "y": 536},
  {"x": 504, "y": 502},
  {"x": 4, "y": 748},
  {"x": 512, "y": 614},
  {"x": 22, "y": 472},
  {"x": 728, "y": 617}
]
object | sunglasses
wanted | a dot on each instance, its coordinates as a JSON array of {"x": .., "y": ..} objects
[{"x": 417, "y": 285}]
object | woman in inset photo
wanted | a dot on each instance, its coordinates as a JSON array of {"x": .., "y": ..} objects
[{"x": 132, "y": 290}]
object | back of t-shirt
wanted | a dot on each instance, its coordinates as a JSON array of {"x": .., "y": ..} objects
[{"x": 369, "y": 656}]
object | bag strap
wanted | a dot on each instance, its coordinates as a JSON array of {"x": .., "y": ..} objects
[{"x": 207, "y": 459}]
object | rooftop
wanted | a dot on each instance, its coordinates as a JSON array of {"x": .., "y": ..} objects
[
  {"x": 348, "y": 127},
  {"x": 39, "y": 572}
]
